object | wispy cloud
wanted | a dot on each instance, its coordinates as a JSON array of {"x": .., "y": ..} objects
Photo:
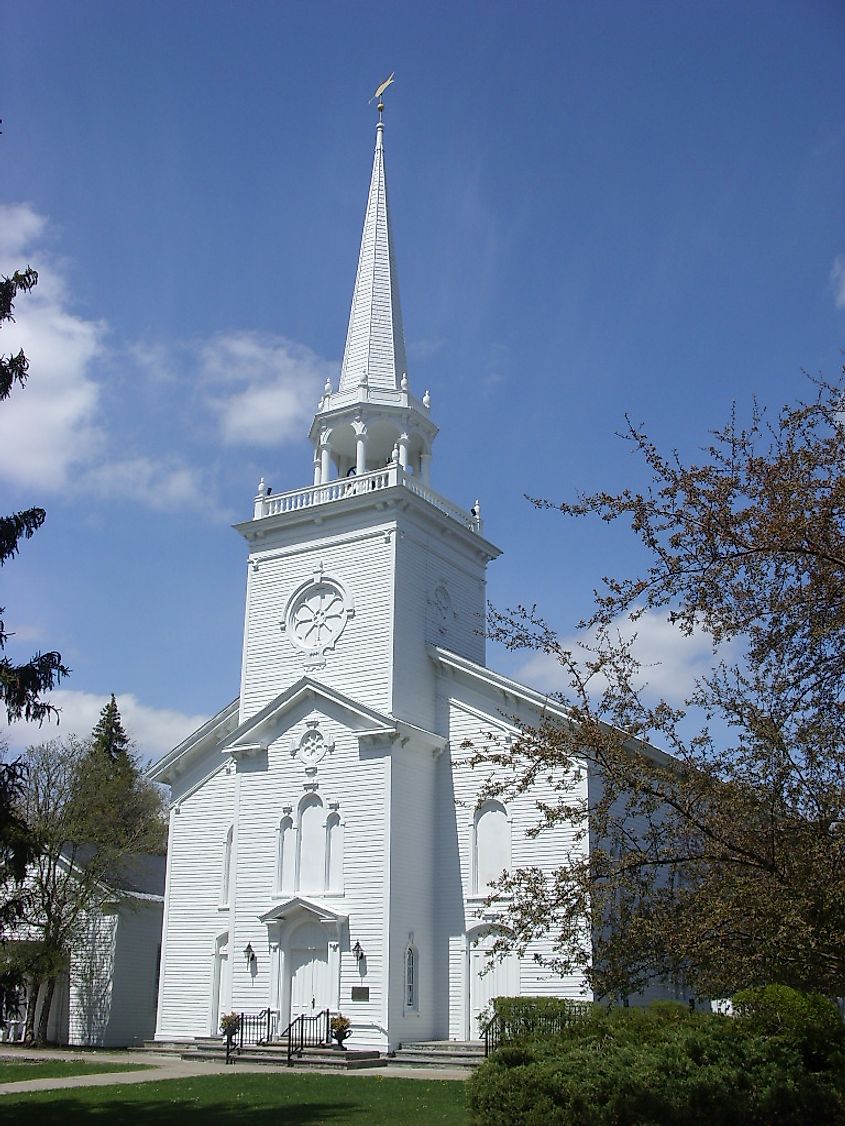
[
  {"x": 154, "y": 731},
  {"x": 837, "y": 281},
  {"x": 670, "y": 661},
  {"x": 261, "y": 388}
]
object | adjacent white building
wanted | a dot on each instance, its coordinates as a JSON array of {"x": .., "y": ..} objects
[{"x": 327, "y": 850}]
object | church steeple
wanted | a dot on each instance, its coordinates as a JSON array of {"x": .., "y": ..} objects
[
  {"x": 375, "y": 341},
  {"x": 373, "y": 419}
]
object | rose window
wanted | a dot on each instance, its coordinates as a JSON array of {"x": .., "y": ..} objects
[{"x": 317, "y": 614}]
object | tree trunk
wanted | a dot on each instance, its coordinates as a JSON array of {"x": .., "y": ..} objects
[
  {"x": 44, "y": 1017},
  {"x": 31, "y": 1009}
]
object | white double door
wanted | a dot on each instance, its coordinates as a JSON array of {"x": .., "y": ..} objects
[
  {"x": 310, "y": 984},
  {"x": 501, "y": 979}
]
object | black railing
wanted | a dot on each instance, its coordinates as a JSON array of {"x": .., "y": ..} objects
[
  {"x": 307, "y": 1031},
  {"x": 493, "y": 1034},
  {"x": 527, "y": 1025},
  {"x": 250, "y": 1029}
]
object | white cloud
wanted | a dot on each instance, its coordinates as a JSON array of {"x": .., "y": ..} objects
[
  {"x": 263, "y": 389},
  {"x": 154, "y": 731},
  {"x": 670, "y": 661},
  {"x": 159, "y": 484},
  {"x": 49, "y": 427},
  {"x": 837, "y": 281}
]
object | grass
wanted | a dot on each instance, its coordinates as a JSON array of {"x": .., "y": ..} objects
[
  {"x": 276, "y": 1099},
  {"x": 14, "y": 1071}
]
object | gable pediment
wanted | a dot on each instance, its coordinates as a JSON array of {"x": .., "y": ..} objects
[
  {"x": 372, "y": 727},
  {"x": 301, "y": 906}
]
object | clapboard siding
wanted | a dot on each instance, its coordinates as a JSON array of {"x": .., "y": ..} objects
[
  {"x": 359, "y": 666},
  {"x": 194, "y": 913},
  {"x": 413, "y": 893},
  {"x": 426, "y": 567}
]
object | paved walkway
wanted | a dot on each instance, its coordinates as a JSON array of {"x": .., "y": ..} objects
[{"x": 172, "y": 1067}]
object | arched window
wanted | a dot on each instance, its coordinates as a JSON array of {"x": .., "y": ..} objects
[
  {"x": 334, "y": 854},
  {"x": 492, "y": 845},
  {"x": 286, "y": 862},
  {"x": 227, "y": 873},
  {"x": 412, "y": 978},
  {"x": 312, "y": 845}
]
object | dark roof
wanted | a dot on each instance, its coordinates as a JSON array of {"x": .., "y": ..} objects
[{"x": 138, "y": 872}]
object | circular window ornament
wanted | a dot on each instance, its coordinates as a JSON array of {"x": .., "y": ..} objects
[{"x": 317, "y": 613}]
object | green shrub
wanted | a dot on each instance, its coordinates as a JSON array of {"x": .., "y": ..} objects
[
  {"x": 526, "y": 1017},
  {"x": 663, "y": 1066}
]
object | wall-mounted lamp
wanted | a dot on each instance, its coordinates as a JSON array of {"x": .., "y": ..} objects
[
  {"x": 249, "y": 954},
  {"x": 357, "y": 952}
]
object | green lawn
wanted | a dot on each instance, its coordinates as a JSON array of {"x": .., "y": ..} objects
[
  {"x": 280, "y": 1098},
  {"x": 14, "y": 1071}
]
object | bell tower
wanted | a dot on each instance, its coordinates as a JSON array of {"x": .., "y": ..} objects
[{"x": 354, "y": 577}]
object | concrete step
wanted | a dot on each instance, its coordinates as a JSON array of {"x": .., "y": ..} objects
[
  {"x": 439, "y": 1053},
  {"x": 275, "y": 1055},
  {"x": 162, "y": 1047}
]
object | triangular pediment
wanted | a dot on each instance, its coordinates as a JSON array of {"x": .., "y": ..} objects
[
  {"x": 299, "y": 905},
  {"x": 256, "y": 733}
]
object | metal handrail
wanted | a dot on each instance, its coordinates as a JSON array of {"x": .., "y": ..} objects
[
  {"x": 307, "y": 1031},
  {"x": 251, "y": 1029}
]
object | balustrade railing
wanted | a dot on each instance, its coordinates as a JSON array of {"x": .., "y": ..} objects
[{"x": 345, "y": 487}]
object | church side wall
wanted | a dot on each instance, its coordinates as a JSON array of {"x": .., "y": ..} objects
[
  {"x": 473, "y": 713},
  {"x": 193, "y": 896},
  {"x": 360, "y": 664},
  {"x": 412, "y": 922}
]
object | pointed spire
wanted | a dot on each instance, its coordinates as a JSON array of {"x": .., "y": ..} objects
[{"x": 375, "y": 340}]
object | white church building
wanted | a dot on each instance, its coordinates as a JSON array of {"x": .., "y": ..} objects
[{"x": 327, "y": 849}]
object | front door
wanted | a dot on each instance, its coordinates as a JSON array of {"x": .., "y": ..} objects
[
  {"x": 309, "y": 972},
  {"x": 500, "y": 980}
]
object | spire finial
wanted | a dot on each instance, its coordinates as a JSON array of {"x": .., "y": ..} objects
[{"x": 380, "y": 89}]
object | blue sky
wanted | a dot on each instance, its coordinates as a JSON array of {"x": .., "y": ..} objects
[{"x": 598, "y": 209}]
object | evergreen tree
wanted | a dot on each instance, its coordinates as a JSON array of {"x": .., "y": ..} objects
[
  {"x": 109, "y": 737},
  {"x": 21, "y": 685}
]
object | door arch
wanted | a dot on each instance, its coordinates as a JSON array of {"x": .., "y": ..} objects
[{"x": 486, "y": 981}]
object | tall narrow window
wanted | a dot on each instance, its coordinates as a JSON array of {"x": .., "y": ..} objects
[
  {"x": 227, "y": 874},
  {"x": 312, "y": 845},
  {"x": 334, "y": 854},
  {"x": 492, "y": 846},
  {"x": 286, "y": 865},
  {"x": 411, "y": 978}
]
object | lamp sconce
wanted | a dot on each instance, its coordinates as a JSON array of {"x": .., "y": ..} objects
[
  {"x": 358, "y": 952},
  {"x": 249, "y": 954}
]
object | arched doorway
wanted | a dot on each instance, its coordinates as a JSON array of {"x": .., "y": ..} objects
[
  {"x": 486, "y": 981},
  {"x": 310, "y": 982}
]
